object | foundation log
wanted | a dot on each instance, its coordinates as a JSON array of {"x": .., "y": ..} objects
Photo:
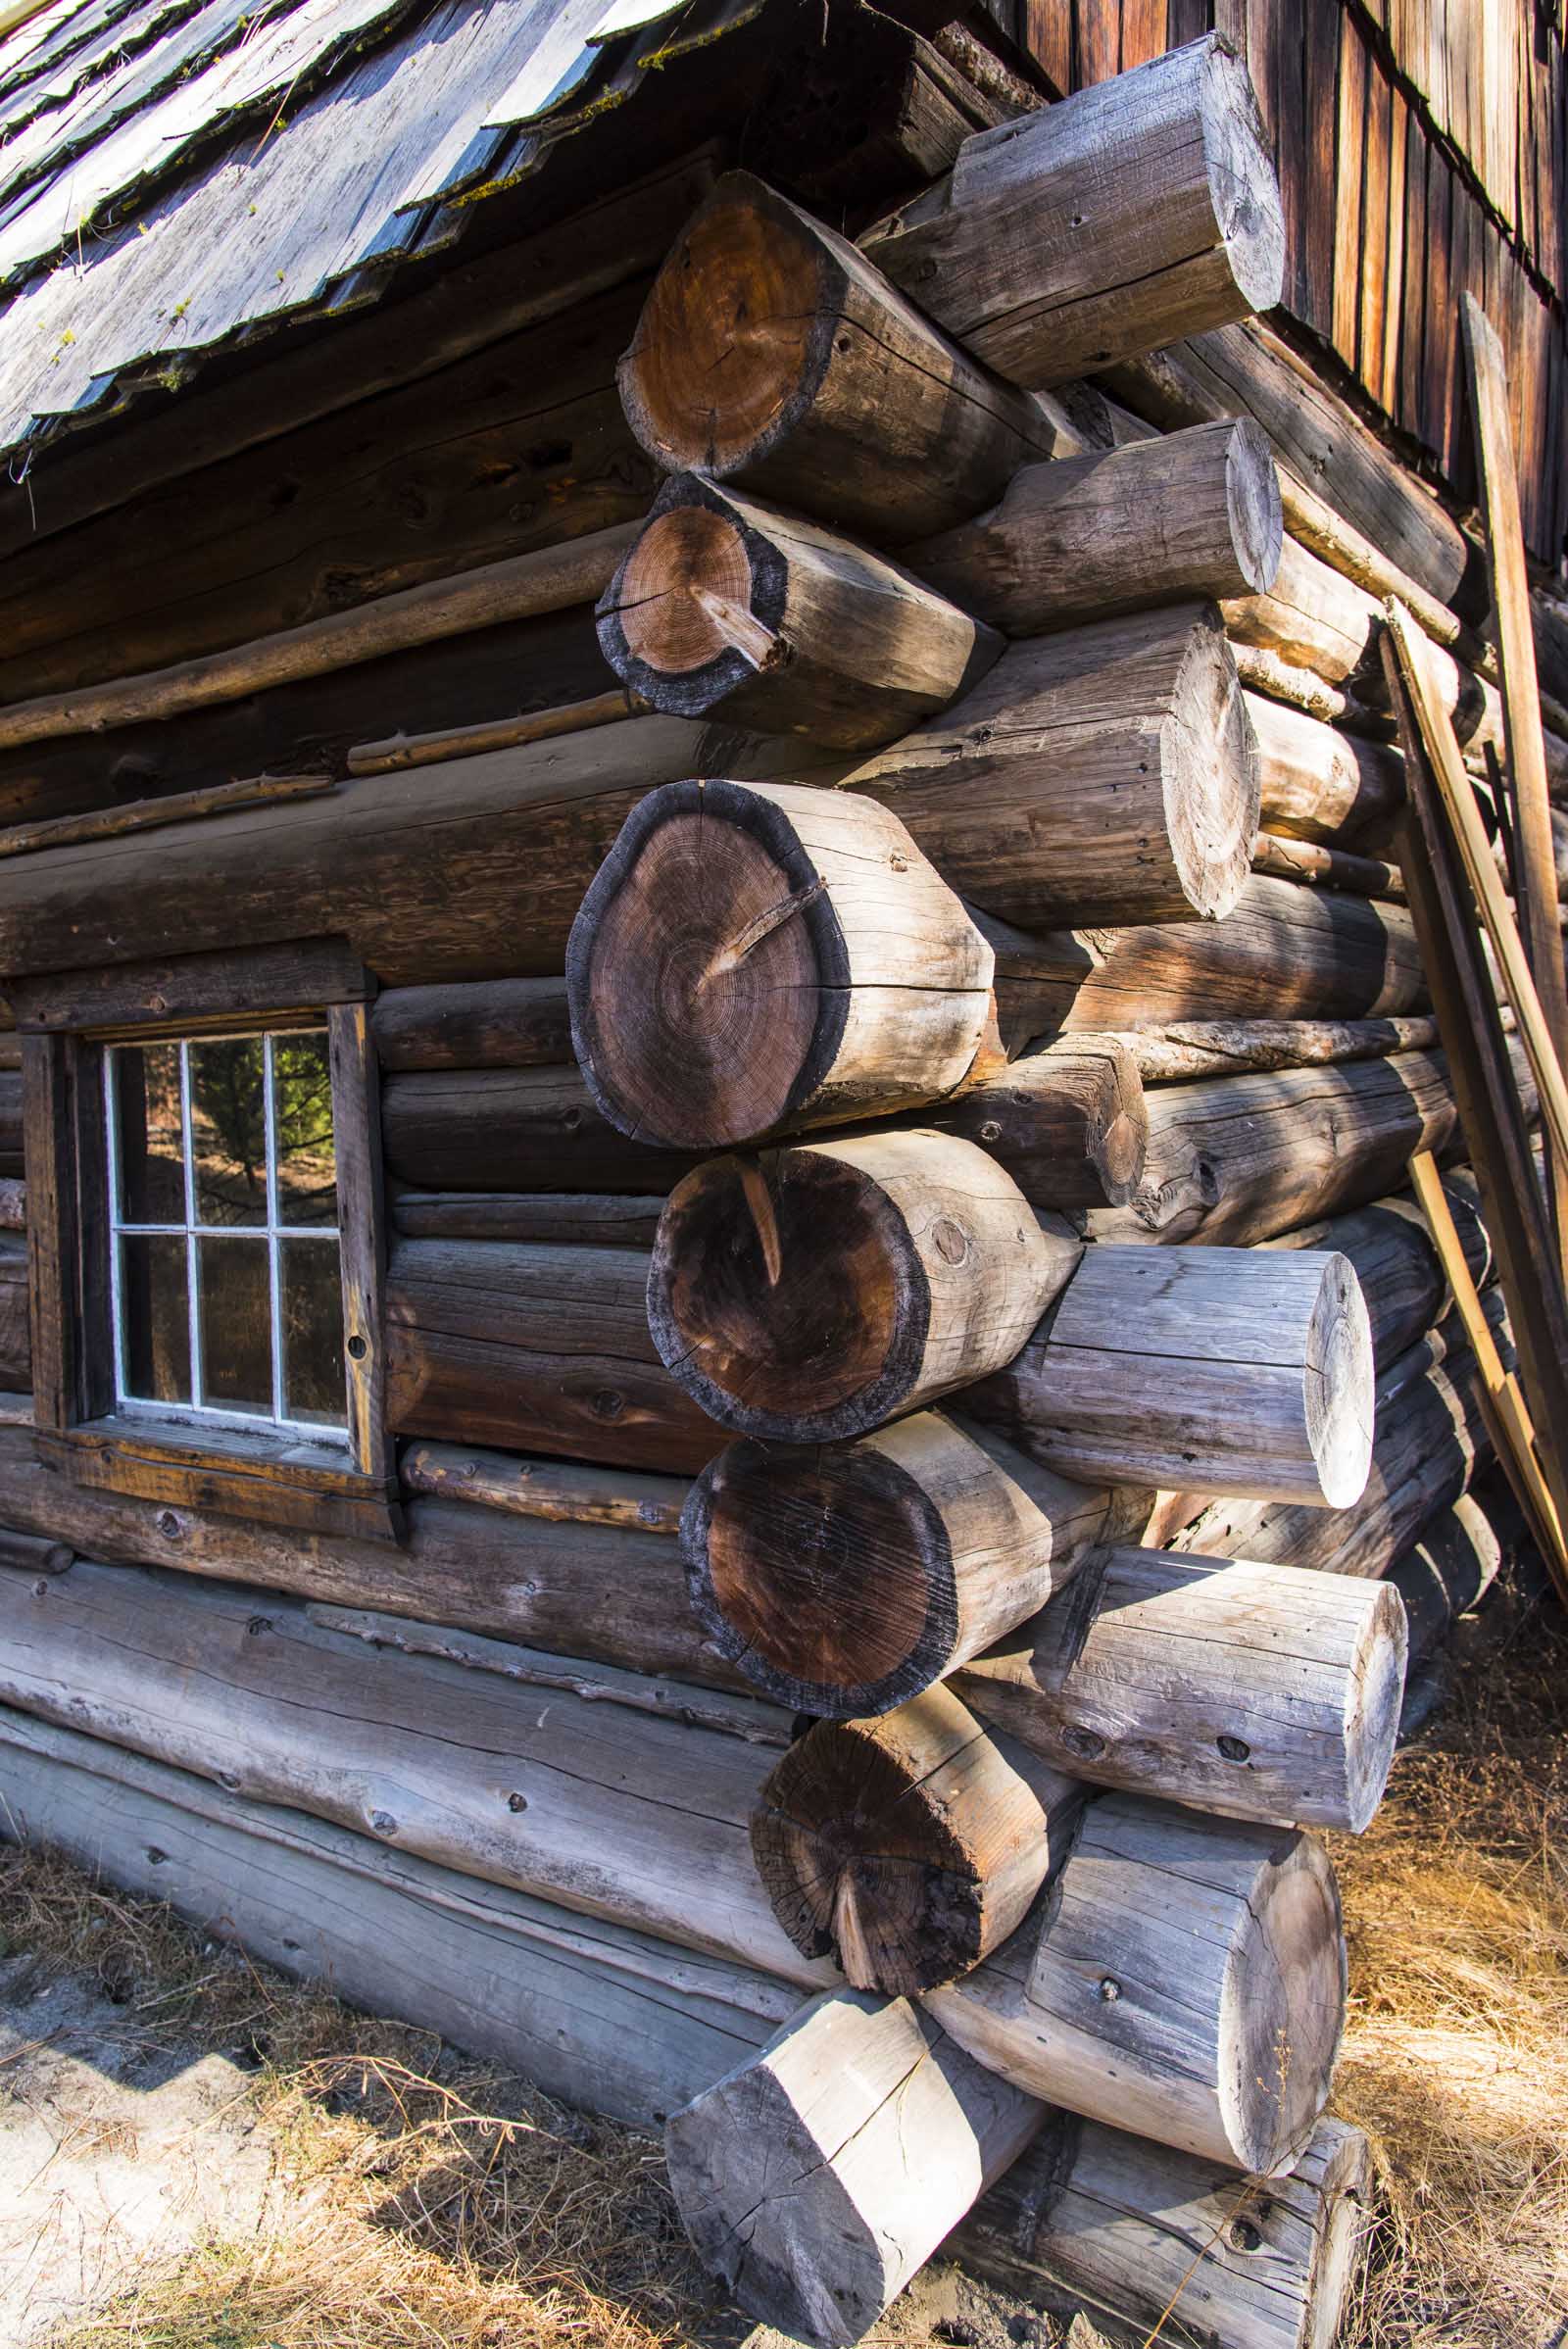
[
  {"x": 845, "y": 1581},
  {"x": 1257, "y": 1691},
  {"x": 750, "y": 959},
  {"x": 725, "y": 608},
  {"x": 1219, "y": 1370},
  {"x": 815, "y": 1292},
  {"x": 908, "y": 1847},
  {"x": 1169, "y": 163},
  {"x": 1189, "y": 516}
]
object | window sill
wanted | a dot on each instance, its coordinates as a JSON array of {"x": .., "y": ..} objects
[{"x": 238, "y": 1473}]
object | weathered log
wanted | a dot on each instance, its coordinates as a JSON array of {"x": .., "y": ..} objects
[
  {"x": 16, "y": 1320},
  {"x": 750, "y": 959},
  {"x": 1322, "y": 868},
  {"x": 11, "y": 1156},
  {"x": 1396, "y": 1264},
  {"x": 1105, "y": 774},
  {"x": 1220, "y": 2041},
  {"x": 1253, "y": 1690},
  {"x": 725, "y": 607},
  {"x": 1035, "y": 981},
  {"x": 515, "y": 1129},
  {"x": 1234, "y": 1048},
  {"x": 1243, "y": 1159},
  {"x": 536, "y": 1349},
  {"x": 1067, "y": 1123},
  {"x": 1446, "y": 1572},
  {"x": 13, "y": 1205},
  {"x": 1169, "y": 163},
  {"x": 1090, "y": 2217},
  {"x": 1317, "y": 783},
  {"x": 565, "y": 1218},
  {"x": 838, "y": 398},
  {"x": 844, "y": 1582},
  {"x": 1220, "y": 1370},
  {"x": 1191, "y": 518},
  {"x": 395, "y": 750},
  {"x": 561, "y": 1492},
  {"x": 817, "y": 2177},
  {"x": 817, "y": 1291},
  {"x": 501, "y": 1023},
  {"x": 609, "y": 1808},
  {"x": 908, "y": 1847}
]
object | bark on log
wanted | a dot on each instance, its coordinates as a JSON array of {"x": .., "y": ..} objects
[
  {"x": 844, "y": 1582},
  {"x": 1195, "y": 516},
  {"x": 1170, "y": 162},
  {"x": 1068, "y": 1122},
  {"x": 1218, "y": 1370},
  {"x": 908, "y": 1847},
  {"x": 1234, "y": 1048},
  {"x": 817, "y": 1291},
  {"x": 1107, "y": 2000},
  {"x": 515, "y": 1129},
  {"x": 1319, "y": 784},
  {"x": 1108, "y": 775},
  {"x": 1092, "y": 2217},
  {"x": 1239, "y": 1160},
  {"x": 535, "y": 1350},
  {"x": 839, "y": 399},
  {"x": 749, "y": 958},
  {"x": 610, "y": 1809},
  {"x": 564, "y": 1219},
  {"x": 725, "y": 607},
  {"x": 1255, "y": 1692},
  {"x": 499, "y": 1024},
  {"x": 817, "y": 2177}
]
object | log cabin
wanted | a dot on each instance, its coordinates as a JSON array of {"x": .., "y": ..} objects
[{"x": 709, "y": 1011}]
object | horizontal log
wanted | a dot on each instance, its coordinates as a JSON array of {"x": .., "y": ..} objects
[
  {"x": 1227, "y": 1048},
  {"x": 1220, "y": 2041},
  {"x": 608, "y": 1809},
  {"x": 1221, "y": 1370},
  {"x": 1317, "y": 783},
  {"x": 1090, "y": 2218},
  {"x": 1189, "y": 518},
  {"x": 840, "y": 400},
  {"x": 751, "y": 959},
  {"x": 1401, "y": 1279},
  {"x": 16, "y": 1320},
  {"x": 1067, "y": 1123},
  {"x": 843, "y": 1580},
  {"x": 1170, "y": 162},
  {"x": 397, "y": 751},
  {"x": 817, "y": 1291},
  {"x": 613, "y": 2021},
  {"x": 1105, "y": 775},
  {"x": 1448, "y": 1569},
  {"x": 908, "y": 1847},
  {"x": 571, "y": 1219},
  {"x": 1237, "y": 1159},
  {"x": 725, "y": 606},
  {"x": 561, "y": 1491},
  {"x": 816, "y": 2177},
  {"x": 515, "y": 1129},
  {"x": 497, "y": 1023},
  {"x": 535, "y": 1350},
  {"x": 11, "y": 1154},
  {"x": 1322, "y": 868},
  {"x": 1250, "y": 1690}
]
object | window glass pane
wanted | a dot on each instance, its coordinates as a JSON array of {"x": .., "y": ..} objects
[
  {"x": 149, "y": 1133},
  {"x": 155, "y": 1319},
  {"x": 228, "y": 1119},
  {"x": 302, "y": 1117},
  {"x": 312, "y": 1331},
  {"x": 236, "y": 1301}
]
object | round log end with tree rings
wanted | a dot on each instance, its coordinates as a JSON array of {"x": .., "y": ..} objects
[
  {"x": 908, "y": 1847},
  {"x": 813, "y": 1292},
  {"x": 1209, "y": 769},
  {"x": 751, "y": 957}
]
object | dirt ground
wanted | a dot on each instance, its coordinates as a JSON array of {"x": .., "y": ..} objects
[{"x": 195, "y": 2154}]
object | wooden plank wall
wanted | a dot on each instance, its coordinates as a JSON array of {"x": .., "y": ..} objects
[{"x": 1423, "y": 151}]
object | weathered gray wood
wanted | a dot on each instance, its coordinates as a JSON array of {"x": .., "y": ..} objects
[
  {"x": 1092, "y": 2217},
  {"x": 817, "y": 2177},
  {"x": 1182, "y": 1977},
  {"x": 1220, "y": 1370},
  {"x": 1194, "y": 515},
  {"x": 1397, "y": 1263},
  {"x": 1320, "y": 784},
  {"x": 725, "y": 606},
  {"x": 843, "y": 1580},
  {"x": 1234, "y": 1048},
  {"x": 1170, "y": 164},
  {"x": 608, "y": 1809},
  {"x": 515, "y": 1129},
  {"x": 585, "y": 2010},
  {"x": 498, "y": 1023},
  {"x": 822, "y": 1289},
  {"x": 751, "y": 959},
  {"x": 1323, "y": 868},
  {"x": 562, "y": 1491},
  {"x": 1251, "y": 1691}
]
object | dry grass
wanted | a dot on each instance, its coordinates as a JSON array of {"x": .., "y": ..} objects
[{"x": 442, "y": 2205}]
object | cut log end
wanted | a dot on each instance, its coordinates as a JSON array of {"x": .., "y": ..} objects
[
  {"x": 1339, "y": 1385},
  {"x": 694, "y": 610},
  {"x": 1211, "y": 775},
  {"x": 1243, "y": 187},
  {"x": 1374, "y": 1692},
  {"x": 1283, "y": 2008},
  {"x": 1253, "y": 502}
]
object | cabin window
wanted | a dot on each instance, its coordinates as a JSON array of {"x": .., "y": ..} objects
[{"x": 225, "y": 1268}]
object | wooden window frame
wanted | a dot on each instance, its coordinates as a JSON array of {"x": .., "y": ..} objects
[{"x": 66, "y": 1021}]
